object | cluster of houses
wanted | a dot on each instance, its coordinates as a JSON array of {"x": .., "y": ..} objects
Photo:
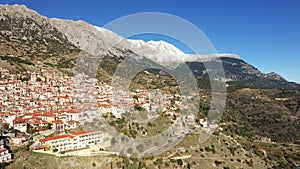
[
  {"x": 49, "y": 100},
  {"x": 52, "y": 99}
]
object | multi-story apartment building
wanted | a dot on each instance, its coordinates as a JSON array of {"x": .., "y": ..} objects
[{"x": 73, "y": 141}]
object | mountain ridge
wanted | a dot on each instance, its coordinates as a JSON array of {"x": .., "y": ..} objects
[{"x": 59, "y": 41}]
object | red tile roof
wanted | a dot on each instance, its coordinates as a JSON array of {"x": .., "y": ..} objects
[
  {"x": 72, "y": 135},
  {"x": 72, "y": 121},
  {"x": 58, "y": 121},
  {"x": 57, "y": 137},
  {"x": 3, "y": 150},
  {"x": 85, "y": 132}
]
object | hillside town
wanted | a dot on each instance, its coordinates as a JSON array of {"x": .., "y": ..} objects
[{"x": 48, "y": 110}]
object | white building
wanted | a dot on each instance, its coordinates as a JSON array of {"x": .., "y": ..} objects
[
  {"x": 115, "y": 112},
  {"x": 203, "y": 123},
  {"x": 73, "y": 141},
  {"x": 22, "y": 127},
  {"x": 9, "y": 119},
  {"x": 5, "y": 156}
]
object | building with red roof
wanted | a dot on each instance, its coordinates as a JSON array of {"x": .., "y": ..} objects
[
  {"x": 73, "y": 141},
  {"x": 5, "y": 156}
]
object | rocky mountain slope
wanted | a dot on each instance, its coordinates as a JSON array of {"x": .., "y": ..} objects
[
  {"x": 238, "y": 72},
  {"x": 57, "y": 42},
  {"x": 25, "y": 33},
  {"x": 106, "y": 42},
  {"x": 28, "y": 39}
]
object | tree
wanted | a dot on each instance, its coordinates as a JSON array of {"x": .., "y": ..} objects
[
  {"x": 25, "y": 79},
  {"x": 138, "y": 107},
  {"x": 5, "y": 126},
  {"x": 189, "y": 166},
  {"x": 126, "y": 161},
  {"x": 38, "y": 79},
  {"x": 15, "y": 131},
  {"x": 141, "y": 147},
  {"x": 180, "y": 162},
  {"x": 172, "y": 160},
  {"x": 142, "y": 164},
  {"x": 129, "y": 150},
  {"x": 119, "y": 165},
  {"x": 48, "y": 127},
  {"x": 30, "y": 130},
  {"x": 113, "y": 141},
  {"x": 136, "y": 97}
]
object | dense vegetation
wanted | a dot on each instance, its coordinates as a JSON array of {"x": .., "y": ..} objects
[{"x": 257, "y": 112}]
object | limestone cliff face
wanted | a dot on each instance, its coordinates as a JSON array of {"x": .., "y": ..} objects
[{"x": 26, "y": 33}]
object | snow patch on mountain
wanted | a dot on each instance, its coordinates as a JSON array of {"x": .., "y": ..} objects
[
  {"x": 158, "y": 51},
  {"x": 156, "y": 46}
]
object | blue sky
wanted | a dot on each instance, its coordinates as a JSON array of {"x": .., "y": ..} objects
[{"x": 265, "y": 33}]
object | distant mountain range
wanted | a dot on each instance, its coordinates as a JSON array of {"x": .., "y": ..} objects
[{"x": 51, "y": 42}]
